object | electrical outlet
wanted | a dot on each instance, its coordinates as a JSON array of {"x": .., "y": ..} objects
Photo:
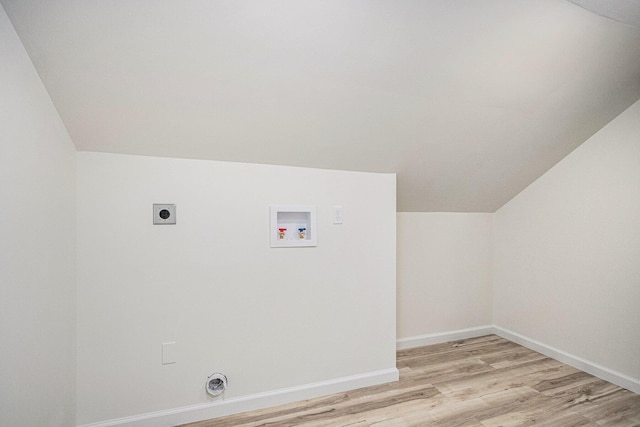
[
  {"x": 164, "y": 214},
  {"x": 337, "y": 215}
]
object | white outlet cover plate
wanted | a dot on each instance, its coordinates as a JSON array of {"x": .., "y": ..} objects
[{"x": 337, "y": 215}]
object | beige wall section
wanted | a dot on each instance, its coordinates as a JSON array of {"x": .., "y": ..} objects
[
  {"x": 269, "y": 318},
  {"x": 444, "y": 272},
  {"x": 37, "y": 248},
  {"x": 567, "y": 252}
]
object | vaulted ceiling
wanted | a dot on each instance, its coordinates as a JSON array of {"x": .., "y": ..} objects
[{"x": 467, "y": 101}]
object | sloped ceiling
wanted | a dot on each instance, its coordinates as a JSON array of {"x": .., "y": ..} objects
[
  {"x": 467, "y": 101},
  {"x": 626, "y": 11}
]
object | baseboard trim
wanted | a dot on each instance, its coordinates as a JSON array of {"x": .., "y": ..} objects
[
  {"x": 193, "y": 413},
  {"x": 617, "y": 378},
  {"x": 440, "y": 337}
]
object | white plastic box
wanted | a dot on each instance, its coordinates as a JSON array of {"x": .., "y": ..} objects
[{"x": 293, "y": 226}]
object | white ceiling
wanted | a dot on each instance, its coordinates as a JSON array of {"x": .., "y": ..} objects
[{"x": 467, "y": 101}]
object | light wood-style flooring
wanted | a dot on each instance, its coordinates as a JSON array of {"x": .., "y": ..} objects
[{"x": 484, "y": 382}]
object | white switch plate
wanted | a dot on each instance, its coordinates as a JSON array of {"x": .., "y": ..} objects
[
  {"x": 337, "y": 215},
  {"x": 169, "y": 353}
]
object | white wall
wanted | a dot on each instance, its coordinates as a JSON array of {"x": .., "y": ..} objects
[
  {"x": 567, "y": 252},
  {"x": 269, "y": 318},
  {"x": 444, "y": 272},
  {"x": 37, "y": 248}
]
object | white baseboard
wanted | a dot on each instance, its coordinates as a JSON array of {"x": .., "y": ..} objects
[
  {"x": 587, "y": 366},
  {"x": 428, "y": 339},
  {"x": 204, "y": 411}
]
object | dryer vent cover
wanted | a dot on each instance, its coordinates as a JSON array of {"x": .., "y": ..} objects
[{"x": 216, "y": 384}]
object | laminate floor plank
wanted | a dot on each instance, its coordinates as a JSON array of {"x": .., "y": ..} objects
[
  {"x": 449, "y": 371},
  {"x": 619, "y": 408},
  {"x": 454, "y": 350},
  {"x": 258, "y": 416},
  {"x": 461, "y": 354},
  {"x": 515, "y": 358},
  {"x": 538, "y": 418},
  {"x": 511, "y": 376},
  {"x": 582, "y": 394},
  {"x": 481, "y": 382},
  {"x": 449, "y": 346}
]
